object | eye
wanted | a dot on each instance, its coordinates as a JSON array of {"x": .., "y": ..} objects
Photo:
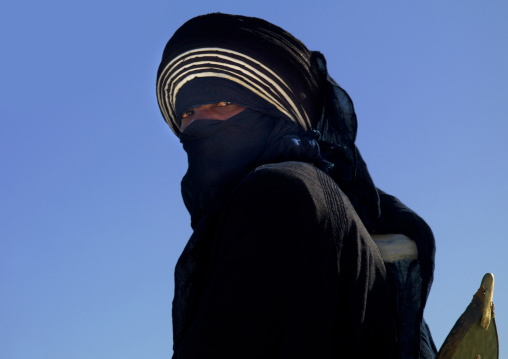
[
  {"x": 222, "y": 104},
  {"x": 186, "y": 114}
]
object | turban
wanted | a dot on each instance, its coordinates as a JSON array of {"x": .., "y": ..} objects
[{"x": 253, "y": 56}]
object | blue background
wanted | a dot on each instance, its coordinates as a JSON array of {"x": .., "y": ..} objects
[{"x": 91, "y": 218}]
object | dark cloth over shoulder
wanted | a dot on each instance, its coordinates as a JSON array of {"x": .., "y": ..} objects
[{"x": 293, "y": 274}]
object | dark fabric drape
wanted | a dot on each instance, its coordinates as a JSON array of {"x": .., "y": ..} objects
[
  {"x": 292, "y": 273},
  {"x": 298, "y": 213}
]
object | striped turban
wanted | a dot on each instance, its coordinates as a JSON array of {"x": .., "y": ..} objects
[{"x": 247, "y": 58}]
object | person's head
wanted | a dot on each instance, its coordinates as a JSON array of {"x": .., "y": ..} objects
[
  {"x": 247, "y": 92},
  {"x": 246, "y": 61}
]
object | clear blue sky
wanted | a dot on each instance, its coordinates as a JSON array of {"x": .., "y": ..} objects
[{"x": 91, "y": 218}]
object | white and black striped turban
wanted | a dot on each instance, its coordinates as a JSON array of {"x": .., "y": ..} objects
[{"x": 245, "y": 60}]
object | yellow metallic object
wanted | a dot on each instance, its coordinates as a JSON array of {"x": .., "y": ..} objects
[{"x": 474, "y": 335}]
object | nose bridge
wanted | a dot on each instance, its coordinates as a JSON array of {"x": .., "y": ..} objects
[{"x": 204, "y": 112}]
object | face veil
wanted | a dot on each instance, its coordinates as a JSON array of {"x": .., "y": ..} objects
[{"x": 220, "y": 153}]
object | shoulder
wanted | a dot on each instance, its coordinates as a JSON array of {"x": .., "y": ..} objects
[
  {"x": 285, "y": 179},
  {"x": 285, "y": 191},
  {"x": 280, "y": 201},
  {"x": 286, "y": 182},
  {"x": 291, "y": 175}
]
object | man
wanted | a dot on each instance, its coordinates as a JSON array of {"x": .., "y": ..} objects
[{"x": 282, "y": 262}]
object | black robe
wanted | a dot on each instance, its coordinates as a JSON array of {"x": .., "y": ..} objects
[{"x": 286, "y": 269}]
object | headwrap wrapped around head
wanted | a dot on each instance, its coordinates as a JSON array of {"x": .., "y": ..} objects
[
  {"x": 255, "y": 64},
  {"x": 249, "y": 52}
]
